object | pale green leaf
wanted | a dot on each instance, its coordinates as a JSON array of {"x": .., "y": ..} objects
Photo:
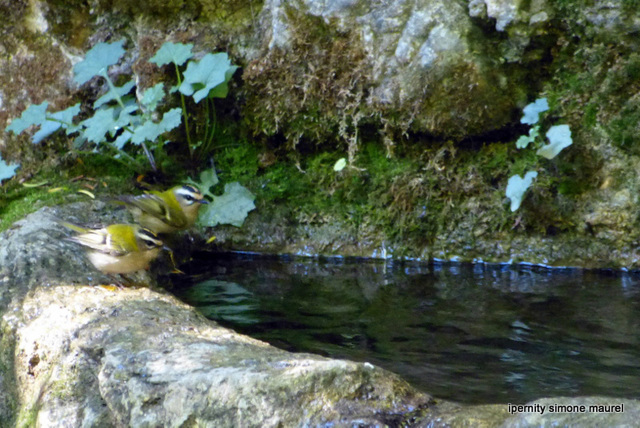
[
  {"x": 33, "y": 115},
  {"x": 126, "y": 118},
  {"x": 340, "y": 164},
  {"x": 533, "y": 110},
  {"x": 122, "y": 139},
  {"x": 152, "y": 96},
  {"x": 97, "y": 126},
  {"x": 525, "y": 140},
  {"x": 115, "y": 93},
  {"x": 177, "y": 53},
  {"x": 559, "y": 138},
  {"x": 222, "y": 90},
  {"x": 517, "y": 186},
  {"x": 97, "y": 60},
  {"x": 202, "y": 76},
  {"x": 150, "y": 131},
  {"x": 6, "y": 170},
  {"x": 171, "y": 119},
  {"x": 46, "y": 129},
  {"x": 208, "y": 179},
  {"x": 66, "y": 115},
  {"x": 230, "y": 208},
  {"x": 55, "y": 121}
]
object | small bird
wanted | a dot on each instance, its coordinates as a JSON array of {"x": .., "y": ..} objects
[
  {"x": 166, "y": 212},
  {"x": 118, "y": 248}
]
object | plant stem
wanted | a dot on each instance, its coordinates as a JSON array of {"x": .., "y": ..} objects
[
  {"x": 213, "y": 127},
  {"x": 112, "y": 87},
  {"x": 210, "y": 130},
  {"x": 184, "y": 114},
  {"x": 147, "y": 153}
]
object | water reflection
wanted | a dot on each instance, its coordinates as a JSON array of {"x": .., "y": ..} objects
[{"x": 470, "y": 333}]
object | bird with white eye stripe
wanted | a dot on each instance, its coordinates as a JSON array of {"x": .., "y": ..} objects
[
  {"x": 166, "y": 212},
  {"x": 118, "y": 248}
]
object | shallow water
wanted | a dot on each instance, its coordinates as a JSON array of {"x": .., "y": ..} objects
[{"x": 469, "y": 333}]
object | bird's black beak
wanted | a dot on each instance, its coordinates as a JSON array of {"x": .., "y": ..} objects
[{"x": 203, "y": 201}]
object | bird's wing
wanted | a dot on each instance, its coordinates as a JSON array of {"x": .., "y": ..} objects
[
  {"x": 148, "y": 203},
  {"x": 101, "y": 241}
]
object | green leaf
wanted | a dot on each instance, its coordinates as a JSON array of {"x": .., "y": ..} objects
[
  {"x": 340, "y": 164},
  {"x": 33, "y": 115},
  {"x": 208, "y": 179},
  {"x": 517, "y": 186},
  {"x": 222, "y": 90},
  {"x": 6, "y": 170},
  {"x": 67, "y": 115},
  {"x": 126, "y": 118},
  {"x": 122, "y": 139},
  {"x": 202, "y": 76},
  {"x": 115, "y": 93},
  {"x": 525, "y": 140},
  {"x": 559, "y": 138},
  {"x": 97, "y": 126},
  {"x": 177, "y": 53},
  {"x": 533, "y": 110},
  {"x": 97, "y": 60},
  {"x": 152, "y": 96},
  {"x": 150, "y": 131},
  {"x": 230, "y": 208},
  {"x": 63, "y": 118}
]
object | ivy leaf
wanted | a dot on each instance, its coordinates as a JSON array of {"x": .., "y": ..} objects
[
  {"x": 125, "y": 116},
  {"x": 230, "y": 208},
  {"x": 150, "y": 131},
  {"x": 63, "y": 118},
  {"x": 208, "y": 179},
  {"x": 152, "y": 96},
  {"x": 202, "y": 76},
  {"x": 340, "y": 164},
  {"x": 115, "y": 93},
  {"x": 6, "y": 170},
  {"x": 525, "y": 140},
  {"x": 33, "y": 115},
  {"x": 97, "y": 60},
  {"x": 222, "y": 90},
  {"x": 533, "y": 110},
  {"x": 517, "y": 186},
  {"x": 122, "y": 139},
  {"x": 559, "y": 138},
  {"x": 177, "y": 53},
  {"x": 97, "y": 126},
  {"x": 68, "y": 114}
]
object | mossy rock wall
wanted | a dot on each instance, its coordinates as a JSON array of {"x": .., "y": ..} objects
[{"x": 424, "y": 99}]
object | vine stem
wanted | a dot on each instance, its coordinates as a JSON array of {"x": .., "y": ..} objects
[{"x": 147, "y": 153}]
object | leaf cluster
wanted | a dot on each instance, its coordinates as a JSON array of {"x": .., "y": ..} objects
[
  {"x": 123, "y": 121},
  {"x": 559, "y": 137}
]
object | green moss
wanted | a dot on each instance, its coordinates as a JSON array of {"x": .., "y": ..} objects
[
  {"x": 315, "y": 89},
  {"x": 106, "y": 176},
  {"x": 231, "y": 13}
]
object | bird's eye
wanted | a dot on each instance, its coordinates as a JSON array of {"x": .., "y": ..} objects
[
  {"x": 149, "y": 238},
  {"x": 150, "y": 244}
]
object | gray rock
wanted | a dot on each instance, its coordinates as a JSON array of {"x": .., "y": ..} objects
[
  {"x": 584, "y": 412},
  {"x": 96, "y": 357},
  {"x": 82, "y": 355}
]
